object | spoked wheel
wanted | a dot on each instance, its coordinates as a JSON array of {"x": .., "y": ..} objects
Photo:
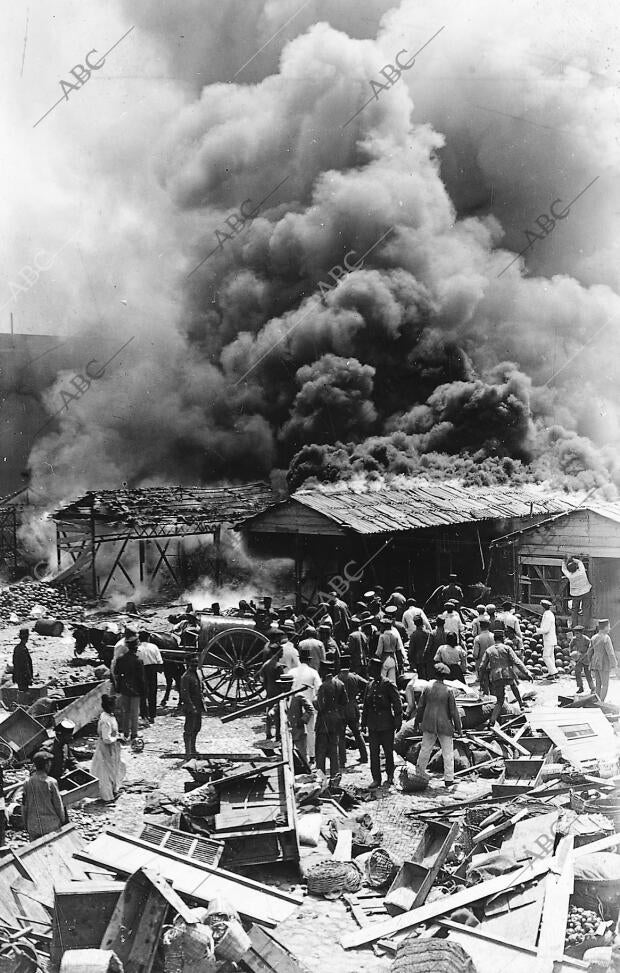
[{"x": 230, "y": 666}]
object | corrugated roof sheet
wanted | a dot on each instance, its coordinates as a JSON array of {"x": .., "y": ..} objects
[
  {"x": 397, "y": 508},
  {"x": 170, "y": 505}
]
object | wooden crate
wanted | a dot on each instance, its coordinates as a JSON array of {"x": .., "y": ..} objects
[
  {"x": 418, "y": 876},
  {"x": 22, "y": 733},
  {"x": 537, "y": 746},
  {"x": 77, "y": 785},
  {"x": 519, "y": 776},
  {"x": 82, "y": 911},
  {"x": 80, "y": 688},
  {"x": 26, "y": 697}
]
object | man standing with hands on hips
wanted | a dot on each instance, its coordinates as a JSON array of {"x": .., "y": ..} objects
[{"x": 550, "y": 639}]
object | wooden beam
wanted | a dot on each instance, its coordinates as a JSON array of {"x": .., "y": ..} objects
[
  {"x": 261, "y": 704},
  {"x": 559, "y": 886}
]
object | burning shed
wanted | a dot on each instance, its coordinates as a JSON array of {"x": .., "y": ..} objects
[
  {"x": 139, "y": 533},
  {"x": 533, "y": 556},
  {"x": 413, "y": 534}
]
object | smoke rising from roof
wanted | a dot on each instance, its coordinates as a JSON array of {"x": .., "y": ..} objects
[{"x": 424, "y": 358}]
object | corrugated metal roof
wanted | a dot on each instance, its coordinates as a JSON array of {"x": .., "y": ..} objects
[{"x": 398, "y": 508}]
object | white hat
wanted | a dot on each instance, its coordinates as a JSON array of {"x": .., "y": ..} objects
[{"x": 67, "y": 725}]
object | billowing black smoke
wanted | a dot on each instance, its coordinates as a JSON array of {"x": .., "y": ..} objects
[{"x": 362, "y": 321}]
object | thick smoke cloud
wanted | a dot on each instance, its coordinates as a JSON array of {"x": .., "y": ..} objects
[{"x": 429, "y": 356}]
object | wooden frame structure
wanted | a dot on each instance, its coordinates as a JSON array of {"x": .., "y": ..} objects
[{"x": 119, "y": 523}]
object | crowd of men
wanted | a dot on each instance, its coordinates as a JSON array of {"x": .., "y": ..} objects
[{"x": 346, "y": 669}]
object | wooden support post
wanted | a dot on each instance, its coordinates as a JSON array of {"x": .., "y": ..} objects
[
  {"x": 93, "y": 549},
  {"x": 218, "y": 564},
  {"x": 299, "y": 567},
  {"x": 57, "y": 547},
  {"x": 257, "y": 707}
]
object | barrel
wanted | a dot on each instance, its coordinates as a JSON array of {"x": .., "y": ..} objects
[{"x": 48, "y": 626}]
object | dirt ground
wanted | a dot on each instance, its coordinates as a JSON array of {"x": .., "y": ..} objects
[{"x": 314, "y": 931}]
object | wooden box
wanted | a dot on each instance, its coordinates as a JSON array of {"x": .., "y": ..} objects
[
  {"x": 26, "y": 697},
  {"x": 415, "y": 878},
  {"x": 537, "y": 746},
  {"x": 80, "y": 688},
  {"x": 519, "y": 776},
  {"x": 77, "y": 785},
  {"x": 82, "y": 911},
  {"x": 23, "y": 734}
]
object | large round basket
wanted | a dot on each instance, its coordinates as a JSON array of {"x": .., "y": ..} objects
[
  {"x": 331, "y": 878},
  {"x": 6, "y": 754},
  {"x": 380, "y": 868},
  {"x": 431, "y": 956}
]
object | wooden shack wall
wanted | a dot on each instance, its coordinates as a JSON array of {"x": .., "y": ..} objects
[{"x": 588, "y": 535}]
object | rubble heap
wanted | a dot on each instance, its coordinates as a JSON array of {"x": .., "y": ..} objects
[{"x": 21, "y": 598}]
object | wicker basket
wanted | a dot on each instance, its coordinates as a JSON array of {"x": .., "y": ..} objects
[
  {"x": 380, "y": 868},
  {"x": 431, "y": 956},
  {"x": 6, "y": 754},
  {"x": 234, "y": 943},
  {"x": 412, "y": 782},
  {"x": 188, "y": 948},
  {"x": 90, "y": 961},
  {"x": 332, "y": 878}
]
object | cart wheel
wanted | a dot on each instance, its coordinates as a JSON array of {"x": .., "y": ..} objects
[{"x": 230, "y": 666}]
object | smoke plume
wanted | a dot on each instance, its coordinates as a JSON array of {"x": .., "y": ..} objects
[{"x": 371, "y": 317}]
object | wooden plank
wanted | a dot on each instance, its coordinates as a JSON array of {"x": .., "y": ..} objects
[
  {"x": 558, "y": 889},
  {"x": 260, "y": 705},
  {"x": 245, "y": 774},
  {"x": 448, "y": 903},
  {"x": 342, "y": 852},
  {"x": 125, "y": 854},
  {"x": 509, "y": 740}
]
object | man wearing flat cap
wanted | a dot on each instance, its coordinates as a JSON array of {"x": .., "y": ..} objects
[
  {"x": 382, "y": 715},
  {"x": 438, "y": 718},
  {"x": 602, "y": 658},
  {"x": 579, "y": 650}
]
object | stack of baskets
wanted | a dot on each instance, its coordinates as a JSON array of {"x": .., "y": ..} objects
[{"x": 331, "y": 878}]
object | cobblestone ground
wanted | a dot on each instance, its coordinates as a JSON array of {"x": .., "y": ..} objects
[{"x": 315, "y": 930}]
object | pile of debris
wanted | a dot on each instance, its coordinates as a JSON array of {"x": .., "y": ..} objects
[{"x": 20, "y": 600}]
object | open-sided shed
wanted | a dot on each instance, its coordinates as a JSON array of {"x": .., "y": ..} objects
[
  {"x": 533, "y": 554},
  {"x": 112, "y": 524}
]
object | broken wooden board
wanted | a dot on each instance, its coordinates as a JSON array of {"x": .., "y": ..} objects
[
  {"x": 558, "y": 889},
  {"x": 344, "y": 843},
  {"x": 268, "y": 955},
  {"x": 509, "y": 740},
  {"x": 581, "y": 735},
  {"x": 85, "y": 709},
  {"x": 197, "y": 880},
  {"x": 44, "y": 862},
  {"x": 135, "y": 926},
  {"x": 447, "y": 903}
]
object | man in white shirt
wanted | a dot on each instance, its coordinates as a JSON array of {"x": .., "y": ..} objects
[
  {"x": 389, "y": 669},
  {"x": 512, "y": 626},
  {"x": 480, "y": 617},
  {"x": 314, "y": 647},
  {"x": 390, "y": 641},
  {"x": 306, "y": 678},
  {"x": 409, "y": 616},
  {"x": 290, "y": 656},
  {"x": 550, "y": 639},
  {"x": 150, "y": 657},
  {"x": 580, "y": 591},
  {"x": 452, "y": 621}
]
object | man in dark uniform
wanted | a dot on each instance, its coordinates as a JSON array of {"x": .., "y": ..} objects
[
  {"x": 357, "y": 648},
  {"x": 270, "y": 673},
  {"x": 23, "y": 672},
  {"x": 382, "y": 716},
  {"x": 193, "y": 707},
  {"x": 452, "y": 591},
  {"x": 416, "y": 651},
  {"x": 353, "y": 685},
  {"x": 436, "y": 638},
  {"x": 60, "y": 750},
  {"x": 330, "y": 704}
]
